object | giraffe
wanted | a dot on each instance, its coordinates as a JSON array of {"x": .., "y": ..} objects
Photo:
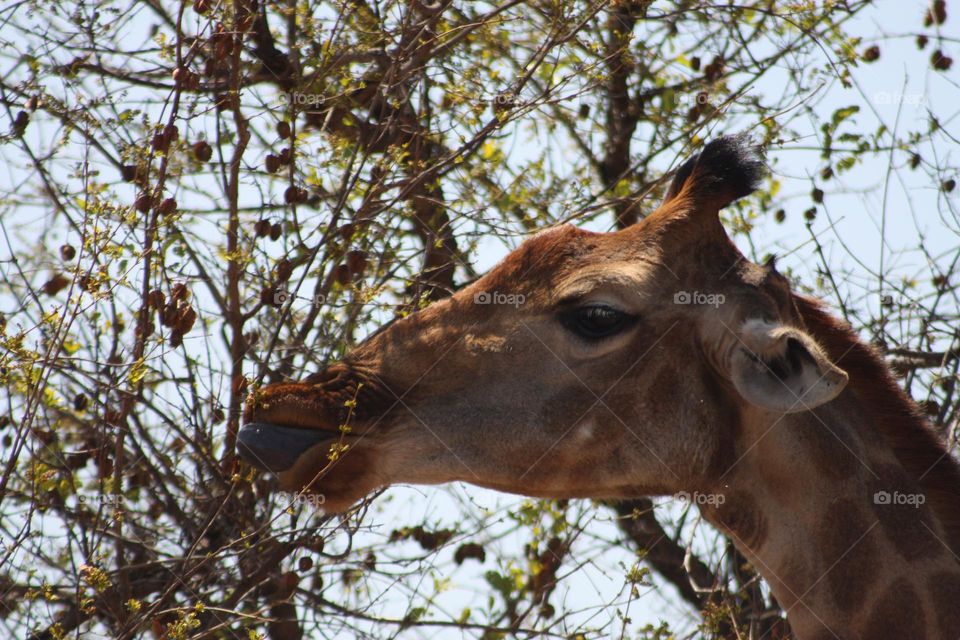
[{"x": 650, "y": 361}]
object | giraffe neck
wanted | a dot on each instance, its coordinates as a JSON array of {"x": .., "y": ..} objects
[{"x": 844, "y": 536}]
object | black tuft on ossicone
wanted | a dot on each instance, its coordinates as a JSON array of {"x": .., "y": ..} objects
[{"x": 727, "y": 169}]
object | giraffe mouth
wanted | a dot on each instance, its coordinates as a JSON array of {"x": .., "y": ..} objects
[{"x": 276, "y": 448}]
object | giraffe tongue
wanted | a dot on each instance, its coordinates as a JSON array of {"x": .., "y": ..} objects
[{"x": 275, "y": 448}]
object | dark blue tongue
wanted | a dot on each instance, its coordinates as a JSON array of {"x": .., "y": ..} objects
[{"x": 274, "y": 448}]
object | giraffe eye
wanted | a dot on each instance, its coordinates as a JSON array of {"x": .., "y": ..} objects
[{"x": 595, "y": 322}]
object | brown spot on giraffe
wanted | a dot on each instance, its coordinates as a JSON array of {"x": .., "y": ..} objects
[
  {"x": 614, "y": 380},
  {"x": 897, "y": 614},
  {"x": 850, "y": 549},
  {"x": 944, "y": 596}
]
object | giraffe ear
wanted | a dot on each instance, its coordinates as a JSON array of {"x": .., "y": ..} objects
[{"x": 783, "y": 369}]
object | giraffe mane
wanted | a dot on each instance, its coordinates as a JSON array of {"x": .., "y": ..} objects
[{"x": 900, "y": 423}]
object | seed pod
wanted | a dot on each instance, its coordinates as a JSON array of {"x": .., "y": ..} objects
[
  {"x": 143, "y": 202},
  {"x": 56, "y": 284},
  {"x": 262, "y": 228},
  {"x": 176, "y": 338},
  {"x": 283, "y": 129},
  {"x": 872, "y": 54},
  {"x": 273, "y": 163},
  {"x": 275, "y": 231},
  {"x": 267, "y": 295},
  {"x": 286, "y": 156},
  {"x": 817, "y": 195},
  {"x": 186, "y": 319},
  {"x": 147, "y": 330},
  {"x": 941, "y": 61},
  {"x": 469, "y": 550},
  {"x": 156, "y": 299},
  {"x": 160, "y": 143},
  {"x": 342, "y": 274},
  {"x": 168, "y": 317},
  {"x": 284, "y": 269},
  {"x": 20, "y": 123},
  {"x": 780, "y": 215},
  {"x": 304, "y": 564},
  {"x": 201, "y": 6},
  {"x": 356, "y": 263},
  {"x": 179, "y": 291},
  {"x": 294, "y": 195},
  {"x": 80, "y": 402},
  {"x": 167, "y": 207},
  {"x": 202, "y": 151},
  {"x": 130, "y": 173},
  {"x": 810, "y": 214},
  {"x": 67, "y": 252}
]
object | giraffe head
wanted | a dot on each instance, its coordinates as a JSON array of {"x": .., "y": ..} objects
[{"x": 585, "y": 364}]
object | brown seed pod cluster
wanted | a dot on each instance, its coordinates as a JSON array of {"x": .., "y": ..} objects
[
  {"x": 284, "y": 269},
  {"x": 714, "y": 70},
  {"x": 941, "y": 61},
  {"x": 356, "y": 263},
  {"x": 295, "y": 195},
  {"x": 167, "y": 207},
  {"x": 162, "y": 140},
  {"x": 468, "y": 551},
  {"x": 264, "y": 228},
  {"x": 57, "y": 283},
  {"x": 186, "y": 79},
  {"x": 428, "y": 540},
  {"x": 134, "y": 173},
  {"x": 143, "y": 202},
  {"x": 177, "y": 314}
]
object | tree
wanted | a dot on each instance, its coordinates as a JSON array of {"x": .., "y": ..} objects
[{"x": 204, "y": 198}]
